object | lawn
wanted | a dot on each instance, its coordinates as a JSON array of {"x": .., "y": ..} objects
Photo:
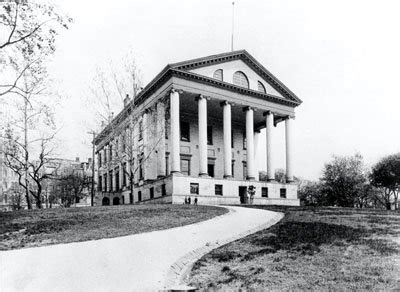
[
  {"x": 28, "y": 228},
  {"x": 311, "y": 248}
]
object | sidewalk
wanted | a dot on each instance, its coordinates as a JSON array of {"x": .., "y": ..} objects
[{"x": 147, "y": 261}]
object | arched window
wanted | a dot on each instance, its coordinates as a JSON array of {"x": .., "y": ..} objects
[
  {"x": 218, "y": 74},
  {"x": 261, "y": 87},
  {"x": 239, "y": 78}
]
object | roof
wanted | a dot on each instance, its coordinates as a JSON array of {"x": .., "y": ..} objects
[{"x": 181, "y": 69}]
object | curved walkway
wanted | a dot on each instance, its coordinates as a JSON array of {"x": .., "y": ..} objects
[{"x": 147, "y": 261}]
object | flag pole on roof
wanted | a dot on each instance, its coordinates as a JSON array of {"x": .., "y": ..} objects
[{"x": 233, "y": 23}]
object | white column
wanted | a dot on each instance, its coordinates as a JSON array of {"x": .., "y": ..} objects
[
  {"x": 227, "y": 140},
  {"x": 113, "y": 180},
  {"x": 202, "y": 111},
  {"x": 256, "y": 146},
  {"x": 121, "y": 174},
  {"x": 160, "y": 139},
  {"x": 250, "y": 143},
  {"x": 175, "y": 130},
  {"x": 268, "y": 133},
  {"x": 288, "y": 137}
]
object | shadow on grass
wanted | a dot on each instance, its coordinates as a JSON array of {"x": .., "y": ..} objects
[{"x": 307, "y": 237}]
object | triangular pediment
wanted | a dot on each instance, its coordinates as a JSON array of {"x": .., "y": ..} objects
[{"x": 241, "y": 61}]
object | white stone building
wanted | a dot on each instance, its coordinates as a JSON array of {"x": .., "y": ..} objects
[{"x": 194, "y": 125}]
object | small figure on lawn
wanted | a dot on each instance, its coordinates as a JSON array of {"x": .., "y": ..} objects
[
  {"x": 189, "y": 200},
  {"x": 186, "y": 200},
  {"x": 195, "y": 201}
]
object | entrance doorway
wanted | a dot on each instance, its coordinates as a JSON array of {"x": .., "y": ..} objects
[
  {"x": 243, "y": 195},
  {"x": 105, "y": 201},
  {"x": 210, "y": 170},
  {"x": 116, "y": 201}
]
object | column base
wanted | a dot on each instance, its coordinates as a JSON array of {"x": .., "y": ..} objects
[
  {"x": 203, "y": 174},
  {"x": 161, "y": 176},
  {"x": 228, "y": 176},
  {"x": 270, "y": 179},
  {"x": 250, "y": 178}
]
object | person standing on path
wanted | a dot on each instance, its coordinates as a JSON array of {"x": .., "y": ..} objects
[{"x": 195, "y": 201}]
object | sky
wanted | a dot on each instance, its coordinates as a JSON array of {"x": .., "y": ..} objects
[{"x": 340, "y": 57}]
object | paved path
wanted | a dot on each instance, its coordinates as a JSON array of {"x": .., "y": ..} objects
[{"x": 147, "y": 261}]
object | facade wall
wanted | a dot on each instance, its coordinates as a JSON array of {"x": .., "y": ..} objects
[
  {"x": 215, "y": 151},
  {"x": 230, "y": 195}
]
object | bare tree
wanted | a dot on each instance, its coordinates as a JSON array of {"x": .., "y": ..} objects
[
  {"x": 70, "y": 186},
  {"x": 110, "y": 92},
  {"x": 29, "y": 29},
  {"x": 31, "y": 131},
  {"x": 16, "y": 196},
  {"x": 31, "y": 173}
]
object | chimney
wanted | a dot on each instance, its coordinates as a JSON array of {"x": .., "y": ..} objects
[
  {"x": 89, "y": 160},
  {"x": 103, "y": 124},
  {"x": 126, "y": 100},
  {"x": 77, "y": 159}
]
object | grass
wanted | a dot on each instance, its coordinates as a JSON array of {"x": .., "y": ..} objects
[
  {"x": 311, "y": 248},
  {"x": 28, "y": 228}
]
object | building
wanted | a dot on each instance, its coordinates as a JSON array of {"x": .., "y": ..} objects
[
  {"x": 7, "y": 179},
  {"x": 193, "y": 129},
  {"x": 56, "y": 168}
]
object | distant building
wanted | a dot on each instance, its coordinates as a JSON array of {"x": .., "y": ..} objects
[
  {"x": 57, "y": 167},
  {"x": 54, "y": 168},
  {"x": 7, "y": 179},
  {"x": 201, "y": 117}
]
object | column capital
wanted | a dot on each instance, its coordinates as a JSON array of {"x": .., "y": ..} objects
[
  {"x": 289, "y": 117},
  {"x": 246, "y": 108},
  {"x": 225, "y": 102},
  {"x": 268, "y": 113},
  {"x": 200, "y": 96},
  {"x": 173, "y": 90}
]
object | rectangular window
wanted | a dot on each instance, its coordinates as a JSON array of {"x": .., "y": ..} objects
[
  {"x": 244, "y": 141},
  {"x": 218, "y": 190},
  {"x": 141, "y": 167},
  {"x": 166, "y": 165},
  {"x": 105, "y": 183},
  {"x": 209, "y": 135},
  {"x": 233, "y": 169},
  {"x": 185, "y": 131},
  {"x": 185, "y": 166},
  {"x": 194, "y": 188},
  {"x": 110, "y": 152},
  {"x": 123, "y": 143},
  {"x": 264, "y": 192},
  {"x": 151, "y": 192},
  {"x": 117, "y": 180},
  {"x": 283, "y": 193},
  {"x": 111, "y": 180},
  {"x": 139, "y": 194},
  {"x": 124, "y": 175},
  {"x": 99, "y": 158},
  {"x": 116, "y": 148},
  {"x": 163, "y": 190},
  {"x": 244, "y": 170},
  {"x": 100, "y": 185},
  {"x": 140, "y": 130},
  {"x": 232, "y": 144}
]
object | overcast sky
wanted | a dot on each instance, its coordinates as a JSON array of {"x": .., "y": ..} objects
[{"x": 340, "y": 57}]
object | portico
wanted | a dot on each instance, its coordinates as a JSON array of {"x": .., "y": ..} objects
[{"x": 208, "y": 112}]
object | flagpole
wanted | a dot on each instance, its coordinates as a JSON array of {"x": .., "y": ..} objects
[{"x": 233, "y": 27}]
